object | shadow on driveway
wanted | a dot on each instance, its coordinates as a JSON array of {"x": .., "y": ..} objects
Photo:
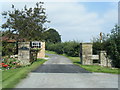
[{"x": 57, "y": 68}]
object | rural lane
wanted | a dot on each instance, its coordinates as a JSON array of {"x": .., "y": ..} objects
[{"x": 59, "y": 72}]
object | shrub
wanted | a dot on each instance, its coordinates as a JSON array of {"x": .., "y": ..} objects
[
  {"x": 70, "y": 48},
  {"x": 8, "y": 63},
  {"x": 111, "y": 44},
  {"x": 8, "y": 48}
]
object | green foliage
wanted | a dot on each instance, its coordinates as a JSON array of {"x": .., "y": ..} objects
[
  {"x": 70, "y": 48},
  {"x": 111, "y": 44},
  {"x": 52, "y": 36},
  {"x": 97, "y": 45},
  {"x": 58, "y": 47},
  {"x": 8, "y": 48},
  {"x": 11, "y": 62},
  {"x": 27, "y": 23}
]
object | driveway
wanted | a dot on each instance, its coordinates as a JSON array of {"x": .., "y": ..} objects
[
  {"x": 59, "y": 72},
  {"x": 59, "y": 64}
]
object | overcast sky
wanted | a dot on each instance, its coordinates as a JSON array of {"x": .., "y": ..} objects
[{"x": 75, "y": 20}]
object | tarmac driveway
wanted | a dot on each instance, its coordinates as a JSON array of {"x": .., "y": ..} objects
[
  {"x": 59, "y": 64},
  {"x": 59, "y": 72}
]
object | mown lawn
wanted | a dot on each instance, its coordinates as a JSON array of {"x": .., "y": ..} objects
[
  {"x": 91, "y": 68},
  {"x": 94, "y": 68},
  {"x": 12, "y": 76}
]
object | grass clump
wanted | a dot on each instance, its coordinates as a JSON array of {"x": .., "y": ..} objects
[{"x": 12, "y": 76}]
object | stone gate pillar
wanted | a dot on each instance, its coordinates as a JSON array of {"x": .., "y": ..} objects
[
  {"x": 104, "y": 60},
  {"x": 24, "y": 53},
  {"x": 41, "y": 53},
  {"x": 86, "y": 53}
]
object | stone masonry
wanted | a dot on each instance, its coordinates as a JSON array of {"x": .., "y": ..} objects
[
  {"x": 87, "y": 58},
  {"x": 86, "y": 53},
  {"x": 24, "y": 52},
  {"x": 105, "y": 61},
  {"x": 41, "y": 53}
]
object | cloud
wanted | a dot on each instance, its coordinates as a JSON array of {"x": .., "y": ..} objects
[
  {"x": 73, "y": 21},
  {"x": 60, "y": 0}
]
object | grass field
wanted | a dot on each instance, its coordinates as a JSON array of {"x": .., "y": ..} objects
[
  {"x": 91, "y": 68},
  {"x": 11, "y": 77}
]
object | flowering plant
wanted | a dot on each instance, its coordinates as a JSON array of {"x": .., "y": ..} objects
[
  {"x": 9, "y": 63},
  {"x": 2, "y": 64},
  {"x": 5, "y": 65}
]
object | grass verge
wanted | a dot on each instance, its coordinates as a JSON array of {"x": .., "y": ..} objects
[
  {"x": 94, "y": 68},
  {"x": 50, "y": 52},
  {"x": 91, "y": 68},
  {"x": 11, "y": 77},
  {"x": 46, "y": 56}
]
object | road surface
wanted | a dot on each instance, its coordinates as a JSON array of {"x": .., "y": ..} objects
[{"x": 59, "y": 72}]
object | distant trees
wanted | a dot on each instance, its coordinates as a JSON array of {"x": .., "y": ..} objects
[
  {"x": 26, "y": 23},
  {"x": 52, "y": 36},
  {"x": 71, "y": 48},
  {"x": 111, "y": 44}
]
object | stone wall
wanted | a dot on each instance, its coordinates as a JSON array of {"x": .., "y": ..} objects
[
  {"x": 27, "y": 54},
  {"x": 86, "y": 53},
  {"x": 88, "y": 59}
]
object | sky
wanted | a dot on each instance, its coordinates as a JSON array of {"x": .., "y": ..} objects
[{"x": 75, "y": 20}]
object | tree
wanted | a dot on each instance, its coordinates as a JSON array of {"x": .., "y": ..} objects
[
  {"x": 27, "y": 23},
  {"x": 8, "y": 48},
  {"x": 111, "y": 44},
  {"x": 52, "y": 36}
]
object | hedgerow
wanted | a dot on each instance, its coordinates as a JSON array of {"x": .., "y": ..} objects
[{"x": 70, "y": 48}]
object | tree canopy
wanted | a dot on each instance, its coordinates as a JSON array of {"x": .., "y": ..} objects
[
  {"x": 52, "y": 36},
  {"x": 111, "y": 44},
  {"x": 26, "y": 23}
]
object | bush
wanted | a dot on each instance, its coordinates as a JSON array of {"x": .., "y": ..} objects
[
  {"x": 111, "y": 44},
  {"x": 58, "y": 47},
  {"x": 70, "y": 48},
  {"x": 8, "y": 48},
  {"x": 8, "y": 63}
]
